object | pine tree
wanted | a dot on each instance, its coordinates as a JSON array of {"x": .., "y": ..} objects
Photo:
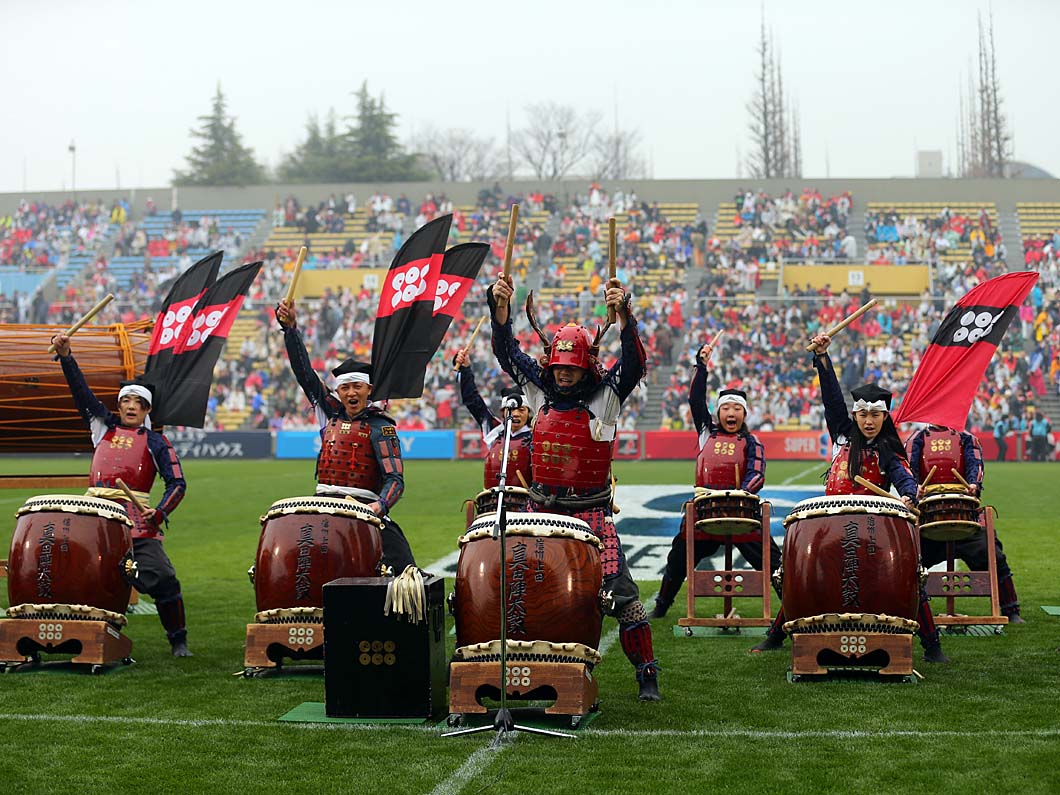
[
  {"x": 322, "y": 157},
  {"x": 374, "y": 153},
  {"x": 221, "y": 158}
]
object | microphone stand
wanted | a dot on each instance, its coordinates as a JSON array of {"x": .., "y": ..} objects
[{"x": 504, "y": 723}]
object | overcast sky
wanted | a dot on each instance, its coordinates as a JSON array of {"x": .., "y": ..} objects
[{"x": 874, "y": 81}]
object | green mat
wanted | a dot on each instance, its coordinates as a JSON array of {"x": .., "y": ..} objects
[
  {"x": 532, "y": 717},
  {"x": 1053, "y": 610},
  {"x": 142, "y": 608},
  {"x": 718, "y": 632},
  {"x": 313, "y": 712}
]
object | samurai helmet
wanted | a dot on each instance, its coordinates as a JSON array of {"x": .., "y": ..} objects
[{"x": 572, "y": 345}]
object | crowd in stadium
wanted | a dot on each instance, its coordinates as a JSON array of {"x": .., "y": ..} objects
[
  {"x": 759, "y": 350},
  {"x": 898, "y": 240}
]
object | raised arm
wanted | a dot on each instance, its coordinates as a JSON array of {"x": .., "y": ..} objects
[
  {"x": 521, "y": 367},
  {"x": 697, "y": 392},
  {"x": 298, "y": 356},
  {"x": 835, "y": 408},
  {"x": 470, "y": 397}
]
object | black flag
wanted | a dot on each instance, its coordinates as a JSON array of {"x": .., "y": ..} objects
[
  {"x": 183, "y": 389},
  {"x": 401, "y": 345},
  {"x": 460, "y": 268},
  {"x": 177, "y": 308}
]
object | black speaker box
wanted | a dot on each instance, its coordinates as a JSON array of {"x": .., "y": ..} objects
[{"x": 378, "y": 666}]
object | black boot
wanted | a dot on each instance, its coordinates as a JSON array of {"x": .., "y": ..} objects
[
  {"x": 1015, "y": 618},
  {"x": 648, "y": 679},
  {"x": 661, "y": 606},
  {"x": 770, "y": 642},
  {"x": 179, "y": 645},
  {"x": 934, "y": 654}
]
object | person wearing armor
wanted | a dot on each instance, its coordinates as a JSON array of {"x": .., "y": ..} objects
[
  {"x": 948, "y": 449},
  {"x": 865, "y": 442},
  {"x": 724, "y": 446},
  {"x": 127, "y": 449},
  {"x": 492, "y": 427},
  {"x": 576, "y": 403},
  {"x": 360, "y": 454}
]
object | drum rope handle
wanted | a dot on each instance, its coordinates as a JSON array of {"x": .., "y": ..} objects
[{"x": 406, "y": 595}]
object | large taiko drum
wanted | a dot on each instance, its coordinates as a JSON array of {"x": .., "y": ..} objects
[
  {"x": 309, "y": 541},
  {"x": 727, "y": 512},
  {"x": 70, "y": 550},
  {"x": 552, "y": 578},
  {"x": 948, "y": 513},
  {"x": 850, "y": 554},
  {"x": 36, "y": 412}
]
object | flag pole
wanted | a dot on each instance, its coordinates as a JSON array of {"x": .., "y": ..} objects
[
  {"x": 512, "y": 221},
  {"x": 846, "y": 322},
  {"x": 87, "y": 317},
  {"x": 289, "y": 300}
]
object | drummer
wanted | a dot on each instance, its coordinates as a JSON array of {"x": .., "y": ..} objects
[
  {"x": 492, "y": 427},
  {"x": 865, "y": 442},
  {"x": 723, "y": 446},
  {"x": 576, "y": 404},
  {"x": 360, "y": 455},
  {"x": 127, "y": 449},
  {"x": 948, "y": 449}
]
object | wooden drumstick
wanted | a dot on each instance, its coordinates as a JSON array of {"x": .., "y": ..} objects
[
  {"x": 512, "y": 221},
  {"x": 471, "y": 339},
  {"x": 846, "y": 322},
  {"x": 293, "y": 285},
  {"x": 877, "y": 490},
  {"x": 927, "y": 480},
  {"x": 130, "y": 496},
  {"x": 522, "y": 480},
  {"x": 739, "y": 481},
  {"x": 612, "y": 267},
  {"x": 717, "y": 337},
  {"x": 614, "y": 487},
  {"x": 87, "y": 317},
  {"x": 963, "y": 482}
]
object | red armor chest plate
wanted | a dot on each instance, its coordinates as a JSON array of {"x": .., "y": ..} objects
[
  {"x": 123, "y": 453},
  {"x": 347, "y": 457},
  {"x": 565, "y": 454},
  {"x": 839, "y": 480},
  {"x": 518, "y": 461},
  {"x": 942, "y": 449},
  {"x": 718, "y": 462}
]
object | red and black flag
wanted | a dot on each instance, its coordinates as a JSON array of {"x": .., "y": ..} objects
[
  {"x": 460, "y": 267},
  {"x": 401, "y": 345},
  {"x": 177, "y": 308},
  {"x": 183, "y": 388},
  {"x": 948, "y": 377}
]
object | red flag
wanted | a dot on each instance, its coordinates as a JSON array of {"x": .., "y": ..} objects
[
  {"x": 945, "y": 383},
  {"x": 460, "y": 268},
  {"x": 177, "y": 308}
]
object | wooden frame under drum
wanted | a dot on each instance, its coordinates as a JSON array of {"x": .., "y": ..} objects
[{"x": 953, "y": 584}]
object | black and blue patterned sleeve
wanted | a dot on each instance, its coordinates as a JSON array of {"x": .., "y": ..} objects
[{"x": 836, "y": 415}]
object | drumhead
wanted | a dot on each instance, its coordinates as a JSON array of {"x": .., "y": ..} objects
[
  {"x": 75, "y": 503},
  {"x": 973, "y": 502},
  {"x": 335, "y": 506},
  {"x": 714, "y": 494},
  {"x": 530, "y": 650},
  {"x": 847, "y": 503},
  {"x": 62, "y": 612},
  {"x": 516, "y": 491},
  {"x": 541, "y": 525}
]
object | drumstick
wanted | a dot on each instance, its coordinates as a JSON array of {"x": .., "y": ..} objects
[
  {"x": 964, "y": 482},
  {"x": 294, "y": 275},
  {"x": 130, "y": 496},
  {"x": 877, "y": 490},
  {"x": 612, "y": 255},
  {"x": 87, "y": 317},
  {"x": 846, "y": 322},
  {"x": 512, "y": 221},
  {"x": 930, "y": 475},
  {"x": 471, "y": 339},
  {"x": 717, "y": 337},
  {"x": 739, "y": 480},
  {"x": 522, "y": 480}
]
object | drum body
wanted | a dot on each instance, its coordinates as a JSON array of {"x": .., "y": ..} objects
[
  {"x": 69, "y": 549},
  {"x": 36, "y": 412},
  {"x": 515, "y": 499},
  {"x": 948, "y": 513},
  {"x": 309, "y": 541},
  {"x": 552, "y": 578},
  {"x": 850, "y": 554},
  {"x": 727, "y": 512}
]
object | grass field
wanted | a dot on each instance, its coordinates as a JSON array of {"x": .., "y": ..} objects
[{"x": 729, "y": 721}]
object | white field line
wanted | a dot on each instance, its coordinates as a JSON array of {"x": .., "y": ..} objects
[
  {"x": 752, "y": 734},
  {"x": 800, "y": 475}
]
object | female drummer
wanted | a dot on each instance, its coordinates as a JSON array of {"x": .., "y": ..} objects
[
  {"x": 492, "y": 427},
  {"x": 946, "y": 449},
  {"x": 725, "y": 446},
  {"x": 577, "y": 404},
  {"x": 126, "y": 448},
  {"x": 865, "y": 442}
]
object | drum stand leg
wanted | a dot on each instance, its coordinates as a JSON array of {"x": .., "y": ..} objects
[
  {"x": 742, "y": 583},
  {"x": 952, "y": 583}
]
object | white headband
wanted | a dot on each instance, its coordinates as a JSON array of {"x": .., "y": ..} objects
[
  {"x": 135, "y": 389},
  {"x": 739, "y": 401},
  {"x": 350, "y": 378},
  {"x": 864, "y": 405}
]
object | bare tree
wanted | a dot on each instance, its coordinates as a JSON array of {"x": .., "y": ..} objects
[
  {"x": 457, "y": 155},
  {"x": 984, "y": 139},
  {"x": 556, "y": 139},
  {"x": 774, "y": 127},
  {"x": 616, "y": 155}
]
